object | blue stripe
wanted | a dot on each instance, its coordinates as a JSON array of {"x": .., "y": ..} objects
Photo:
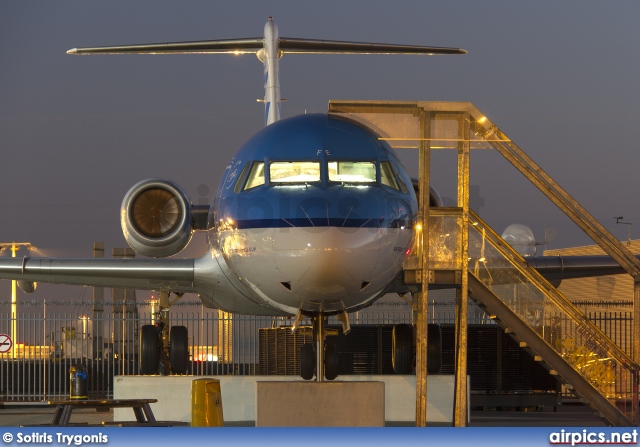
[{"x": 322, "y": 222}]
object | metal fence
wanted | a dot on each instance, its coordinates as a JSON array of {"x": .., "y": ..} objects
[{"x": 48, "y": 338}]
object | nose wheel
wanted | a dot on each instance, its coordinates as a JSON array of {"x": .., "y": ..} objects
[
  {"x": 330, "y": 361},
  {"x": 307, "y": 361},
  {"x": 318, "y": 358}
]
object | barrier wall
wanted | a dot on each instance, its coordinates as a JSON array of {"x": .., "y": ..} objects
[{"x": 239, "y": 396}]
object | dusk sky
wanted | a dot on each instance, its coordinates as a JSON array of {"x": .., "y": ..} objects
[{"x": 76, "y": 132}]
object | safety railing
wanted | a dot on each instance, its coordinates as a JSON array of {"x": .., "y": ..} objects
[{"x": 553, "y": 318}]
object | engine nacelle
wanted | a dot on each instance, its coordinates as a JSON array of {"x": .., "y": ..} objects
[
  {"x": 434, "y": 198},
  {"x": 27, "y": 286},
  {"x": 156, "y": 218}
]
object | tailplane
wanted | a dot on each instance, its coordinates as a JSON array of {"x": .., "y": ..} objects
[{"x": 269, "y": 49}]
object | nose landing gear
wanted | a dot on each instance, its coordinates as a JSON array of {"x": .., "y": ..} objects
[{"x": 319, "y": 358}]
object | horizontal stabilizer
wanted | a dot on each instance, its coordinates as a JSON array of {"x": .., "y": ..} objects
[
  {"x": 233, "y": 46},
  {"x": 310, "y": 46},
  {"x": 253, "y": 45}
]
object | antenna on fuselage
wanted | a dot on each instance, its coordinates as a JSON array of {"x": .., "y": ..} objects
[
  {"x": 269, "y": 49},
  {"x": 619, "y": 221}
]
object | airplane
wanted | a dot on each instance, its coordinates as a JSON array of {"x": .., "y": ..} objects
[{"x": 313, "y": 216}]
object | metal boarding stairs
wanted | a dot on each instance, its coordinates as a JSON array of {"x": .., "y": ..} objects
[
  {"x": 552, "y": 329},
  {"x": 496, "y": 277}
]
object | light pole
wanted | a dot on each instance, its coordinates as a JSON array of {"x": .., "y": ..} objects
[{"x": 14, "y": 247}]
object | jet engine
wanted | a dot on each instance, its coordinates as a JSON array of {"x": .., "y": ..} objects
[
  {"x": 27, "y": 286},
  {"x": 156, "y": 218},
  {"x": 434, "y": 198}
]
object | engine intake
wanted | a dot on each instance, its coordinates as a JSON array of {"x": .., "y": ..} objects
[{"x": 156, "y": 218}]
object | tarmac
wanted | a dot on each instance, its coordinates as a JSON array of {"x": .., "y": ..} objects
[{"x": 569, "y": 415}]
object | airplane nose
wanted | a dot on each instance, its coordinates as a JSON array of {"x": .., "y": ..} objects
[{"x": 334, "y": 267}]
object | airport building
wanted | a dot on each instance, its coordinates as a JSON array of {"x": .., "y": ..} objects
[
  {"x": 605, "y": 300},
  {"x": 602, "y": 293}
]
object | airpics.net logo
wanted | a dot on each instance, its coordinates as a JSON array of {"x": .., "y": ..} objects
[{"x": 585, "y": 437}]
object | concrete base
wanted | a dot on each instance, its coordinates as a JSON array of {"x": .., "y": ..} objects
[
  {"x": 320, "y": 404},
  {"x": 239, "y": 396}
]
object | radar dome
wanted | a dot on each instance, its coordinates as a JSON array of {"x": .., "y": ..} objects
[{"x": 521, "y": 238}]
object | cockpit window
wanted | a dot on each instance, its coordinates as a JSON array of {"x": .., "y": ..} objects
[
  {"x": 241, "y": 179},
  {"x": 294, "y": 171},
  {"x": 387, "y": 177},
  {"x": 401, "y": 183},
  {"x": 352, "y": 171},
  {"x": 256, "y": 175}
]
